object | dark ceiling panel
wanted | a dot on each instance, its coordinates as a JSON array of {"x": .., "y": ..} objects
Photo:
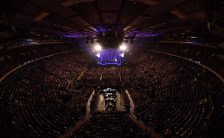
[
  {"x": 54, "y": 6},
  {"x": 131, "y": 11},
  {"x": 88, "y": 12},
  {"x": 160, "y": 19},
  {"x": 23, "y": 18},
  {"x": 109, "y": 17},
  {"x": 92, "y": 15},
  {"x": 190, "y": 6},
  {"x": 54, "y": 19},
  {"x": 163, "y": 6},
  {"x": 140, "y": 20},
  {"x": 18, "y": 5},
  {"x": 45, "y": 23},
  {"x": 78, "y": 22},
  {"x": 31, "y": 10},
  {"x": 109, "y": 5}
]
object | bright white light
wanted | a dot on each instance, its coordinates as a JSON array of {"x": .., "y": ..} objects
[
  {"x": 122, "y": 54},
  {"x": 98, "y": 55},
  {"x": 98, "y": 47},
  {"x": 123, "y": 47}
]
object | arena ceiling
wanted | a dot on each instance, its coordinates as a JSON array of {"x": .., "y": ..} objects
[{"x": 87, "y": 17}]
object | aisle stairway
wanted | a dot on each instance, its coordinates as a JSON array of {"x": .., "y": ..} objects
[{"x": 110, "y": 125}]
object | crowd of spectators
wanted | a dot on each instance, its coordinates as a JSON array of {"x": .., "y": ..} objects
[
  {"x": 11, "y": 58},
  {"x": 209, "y": 56},
  {"x": 35, "y": 101},
  {"x": 175, "y": 97}
]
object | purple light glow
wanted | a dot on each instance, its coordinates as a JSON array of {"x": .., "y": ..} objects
[
  {"x": 102, "y": 29},
  {"x": 79, "y": 35},
  {"x": 110, "y": 57},
  {"x": 142, "y": 34}
]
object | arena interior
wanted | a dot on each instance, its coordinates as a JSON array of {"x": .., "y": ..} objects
[{"x": 111, "y": 68}]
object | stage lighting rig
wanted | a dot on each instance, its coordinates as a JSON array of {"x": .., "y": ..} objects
[
  {"x": 98, "y": 47},
  {"x": 110, "y": 39},
  {"x": 123, "y": 47}
]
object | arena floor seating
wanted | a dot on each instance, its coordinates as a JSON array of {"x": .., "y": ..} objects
[{"x": 174, "y": 97}]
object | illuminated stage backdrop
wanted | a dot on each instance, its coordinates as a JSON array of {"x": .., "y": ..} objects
[{"x": 110, "y": 57}]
